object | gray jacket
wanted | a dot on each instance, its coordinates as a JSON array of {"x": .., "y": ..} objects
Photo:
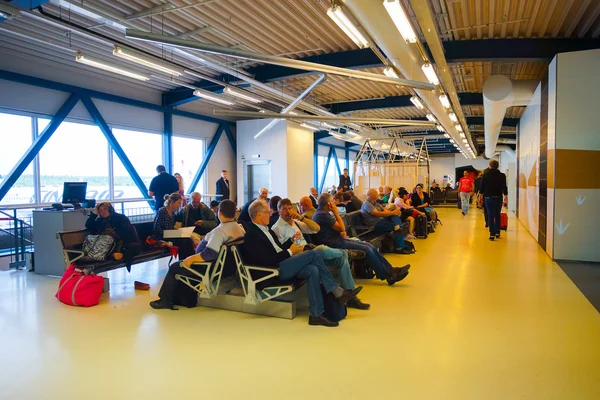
[{"x": 208, "y": 217}]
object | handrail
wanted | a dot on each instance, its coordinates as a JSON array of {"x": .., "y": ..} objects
[{"x": 42, "y": 205}]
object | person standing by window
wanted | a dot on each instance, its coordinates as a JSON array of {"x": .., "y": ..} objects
[
  {"x": 467, "y": 188},
  {"x": 223, "y": 187},
  {"x": 345, "y": 183},
  {"x": 161, "y": 185},
  {"x": 181, "y": 188}
]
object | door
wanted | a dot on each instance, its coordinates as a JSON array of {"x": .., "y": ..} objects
[{"x": 257, "y": 174}]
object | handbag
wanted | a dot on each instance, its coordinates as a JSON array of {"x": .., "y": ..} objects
[
  {"x": 79, "y": 288},
  {"x": 97, "y": 247},
  {"x": 428, "y": 209}
]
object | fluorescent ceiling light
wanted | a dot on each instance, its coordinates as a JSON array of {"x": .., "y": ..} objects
[
  {"x": 292, "y": 113},
  {"x": 430, "y": 73},
  {"x": 452, "y": 141},
  {"x": 338, "y": 16},
  {"x": 212, "y": 97},
  {"x": 431, "y": 118},
  {"x": 86, "y": 13},
  {"x": 453, "y": 117},
  {"x": 444, "y": 100},
  {"x": 241, "y": 95},
  {"x": 458, "y": 128},
  {"x": 462, "y": 135},
  {"x": 92, "y": 62},
  {"x": 465, "y": 141},
  {"x": 325, "y": 124},
  {"x": 389, "y": 71},
  {"x": 394, "y": 8},
  {"x": 415, "y": 100},
  {"x": 261, "y": 111},
  {"x": 352, "y": 134},
  {"x": 446, "y": 136},
  {"x": 145, "y": 61},
  {"x": 440, "y": 128},
  {"x": 455, "y": 145},
  {"x": 307, "y": 126}
]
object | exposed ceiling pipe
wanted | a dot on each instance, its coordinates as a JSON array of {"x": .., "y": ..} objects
[
  {"x": 406, "y": 57},
  {"x": 507, "y": 141},
  {"x": 286, "y": 62},
  {"x": 499, "y": 93}
]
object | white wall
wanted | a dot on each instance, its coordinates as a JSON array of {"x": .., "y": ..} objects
[{"x": 300, "y": 159}]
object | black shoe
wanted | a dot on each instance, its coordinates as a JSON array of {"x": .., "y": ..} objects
[
  {"x": 356, "y": 303},
  {"x": 463, "y": 213},
  {"x": 486, "y": 225},
  {"x": 161, "y": 304},
  {"x": 497, "y": 236},
  {"x": 492, "y": 238},
  {"x": 405, "y": 268},
  {"x": 349, "y": 294},
  {"x": 403, "y": 251},
  {"x": 321, "y": 320},
  {"x": 356, "y": 254},
  {"x": 397, "y": 276}
]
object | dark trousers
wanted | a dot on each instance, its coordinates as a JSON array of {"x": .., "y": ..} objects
[
  {"x": 375, "y": 260},
  {"x": 387, "y": 225},
  {"x": 493, "y": 206},
  {"x": 311, "y": 267},
  {"x": 168, "y": 290}
]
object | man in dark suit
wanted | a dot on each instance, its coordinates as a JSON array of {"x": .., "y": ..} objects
[
  {"x": 223, "y": 187},
  {"x": 261, "y": 248},
  {"x": 345, "y": 183},
  {"x": 314, "y": 197}
]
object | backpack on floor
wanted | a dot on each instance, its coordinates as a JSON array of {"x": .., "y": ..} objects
[
  {"x": 430, "y": 227},
  {"x": 388, "y": 244},
  {"x": 334, "y": 311},
  {"x": 421, "y": 226},
  {"x": 362, "y": 270}
]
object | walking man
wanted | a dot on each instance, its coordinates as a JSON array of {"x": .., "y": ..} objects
[
  {"x": 467, "y": 188},
  {"x": 493, "y": 193}
]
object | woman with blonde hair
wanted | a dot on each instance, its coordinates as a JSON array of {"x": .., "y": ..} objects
[
  {"x": 165, "y": 217},
  {"x": 181, "y": 191}
]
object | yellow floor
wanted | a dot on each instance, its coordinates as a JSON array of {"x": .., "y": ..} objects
[{"x": 473, "y": 320}]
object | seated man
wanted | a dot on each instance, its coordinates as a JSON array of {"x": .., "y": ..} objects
[
  {"x": 291, "y": 225},
  {"x": 333, "y": 234},
  {"x": 338, "y": 200},
  {"x": 199, "y": 215},
  {"x": 261, "y": 248},
  {"x": 214, "y": 206},
  {"x": 356, "y": 202},
  {"x": 207, "y": 250},
  {"x": 348, "y": 204},
  {"x": 314, "y": 196},
  {"x": 273, "y": 201},
  {"x": 306, "y": 207},
  {"x": 383, "y": 221},
  {"x": 263, "y": 194}
]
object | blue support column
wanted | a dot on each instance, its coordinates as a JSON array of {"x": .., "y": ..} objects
[
  {"x": 99, "y": 120},
  {"x": 316, "y": 162},
  {"x": 326, "y": 169},
  {"x": 37, "y": 145},
  {"x": 337, "y": 163},
  {"x": 232, "y": 141},
  {"x": 168, "y": 141},
  {"x": 209, "y": 152}
]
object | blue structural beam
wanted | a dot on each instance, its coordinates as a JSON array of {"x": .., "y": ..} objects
[
  {"x": 209, "y": 152},
  {"x": 37, "y": 145},
  {"x": 28, "y": 4},
  {"x": 168, "y": 141},
  {"x": 322, "y": 183},
  {"x": 513, "y": 49},
  {"x": 114, "y": 144},
  {"x": 62, "y": 87},
  {"x": 231, "y": 139}
]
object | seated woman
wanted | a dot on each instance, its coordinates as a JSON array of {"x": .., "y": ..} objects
[
  {"x": 408, "y": 213},
  {"x": 165, "y": 217},
  {"x": 420, "y": 200},
  {"x": 105, "y": 221}
]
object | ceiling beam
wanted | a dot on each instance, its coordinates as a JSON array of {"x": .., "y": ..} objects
[{"x": 466, "y": 99}]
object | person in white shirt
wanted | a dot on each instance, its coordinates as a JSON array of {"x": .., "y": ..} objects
[{"x": 293, "y": 226}]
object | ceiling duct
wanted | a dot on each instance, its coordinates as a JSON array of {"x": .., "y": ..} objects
[{"x": 499, "y": 93}]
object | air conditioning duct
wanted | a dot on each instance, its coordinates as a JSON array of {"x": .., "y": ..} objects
[{"x": 499, "y": 93}]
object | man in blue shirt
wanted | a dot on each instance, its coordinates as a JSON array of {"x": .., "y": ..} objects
[
  {"x": 382, "y": 220},
  {"x": 333, "y": 234},
  {"x": 161, "y": 184}
]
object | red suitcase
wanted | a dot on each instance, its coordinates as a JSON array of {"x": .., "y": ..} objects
[
  {"x": 503, "y": 221},
  {"x": 77, "y": 288}
]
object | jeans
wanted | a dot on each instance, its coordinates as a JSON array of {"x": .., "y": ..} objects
[
  {"x": 375, "y": 260},
  {"x": 309, "y": 266},
  {"x": 387, "y": 225},
  {"x": 465, "y": 197},
  {"x": 337, "y": 259},
  {"x": 493, "y": 206}
]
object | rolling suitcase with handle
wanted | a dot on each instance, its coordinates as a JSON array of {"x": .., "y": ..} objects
[
  {"x": 503, "y": 221},
  {"x": 421, "y": 226}
]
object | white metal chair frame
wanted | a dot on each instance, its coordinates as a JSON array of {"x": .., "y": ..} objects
[
  {"x": 205, "y": 284},
  {"x": 251, "y": 293}
]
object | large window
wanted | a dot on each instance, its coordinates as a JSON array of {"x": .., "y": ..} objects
[
  {"x": 187, "y": 157},
  {"x": 331, "y": 176},
  {"x": 16, "y": 137},
  {"x": 75, "y": 153}
]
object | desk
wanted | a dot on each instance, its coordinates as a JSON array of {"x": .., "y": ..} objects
[{"x": 49, "y": 258}]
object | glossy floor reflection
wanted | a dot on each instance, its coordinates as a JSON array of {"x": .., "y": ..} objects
[{"x": 473, "y": 320}]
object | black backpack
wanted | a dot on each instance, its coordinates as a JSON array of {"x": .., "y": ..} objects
[
  {"x": 362, "y": 270},
  {"x": 334, "y": 311}
]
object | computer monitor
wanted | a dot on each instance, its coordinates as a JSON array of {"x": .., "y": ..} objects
[{"x": 74, "y": 192}]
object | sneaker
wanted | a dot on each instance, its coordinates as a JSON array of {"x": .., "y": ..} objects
[
  {"x": 463, "y": 213},
  {"x": 492, "y": 238},
  {"x": 497, "y": 236},
  {"x": 356, "y": 254},
  {"x": 410, "y": 237}
]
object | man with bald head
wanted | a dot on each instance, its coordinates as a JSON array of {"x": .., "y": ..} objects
[
  {"x": 263, "y": 194},
  {"x": 383, "y": 220},
  {"x": 306, "y": 207}
]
